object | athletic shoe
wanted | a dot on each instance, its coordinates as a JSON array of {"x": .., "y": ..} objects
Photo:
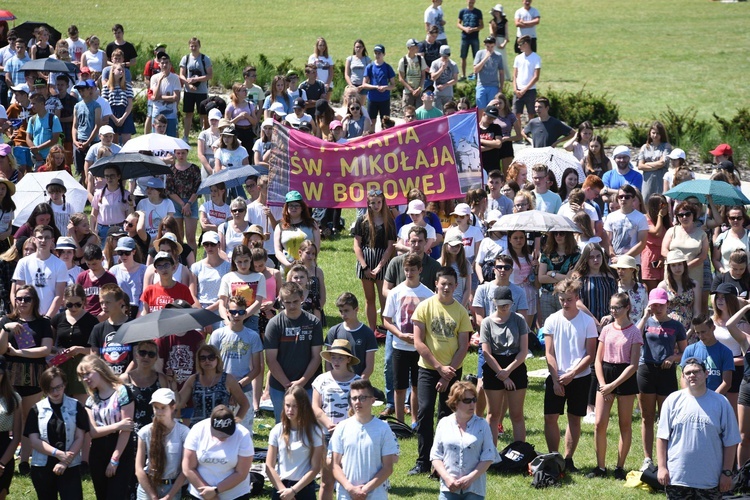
[
  {"x": 570, "y": 466},
  {"x": 500, "y": 428},
  {"x": 418, "y": 469},
  {"x": 24, "y": 469},
  {"x": 590, "y": 418},
  {"x": 647, "y": 462},
  {"x": 597, "y": 472},
  {"x": 472, "y": 77},
  {"x": 620, "y": 474}
]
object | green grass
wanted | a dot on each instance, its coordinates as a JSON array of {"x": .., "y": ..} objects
[
  {"x": 337, "y": 261},
  {"x": 646, "y": 54}
]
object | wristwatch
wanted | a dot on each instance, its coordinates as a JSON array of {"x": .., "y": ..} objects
[
  {"x": 727, "y": 472},
  {"x": 553, "y": 274}
]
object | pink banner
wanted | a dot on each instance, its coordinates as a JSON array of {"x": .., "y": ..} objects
[{"x": 440, "y": 157}]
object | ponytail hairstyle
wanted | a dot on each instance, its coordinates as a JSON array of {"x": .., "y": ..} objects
[{"x": 119, "y": 184}]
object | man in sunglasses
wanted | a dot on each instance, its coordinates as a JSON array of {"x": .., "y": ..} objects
[
  {"x": 240, "y": 349},
  {"x": 44, "y": 271},
  {"x": 626, "y": 228},
  {"x": 441, "y": 335},
  {"x": 158, "y": 295},
  {"x": 623, "y": 173}
]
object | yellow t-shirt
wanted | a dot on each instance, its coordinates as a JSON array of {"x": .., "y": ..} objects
[{"x": 442, "y": 324}]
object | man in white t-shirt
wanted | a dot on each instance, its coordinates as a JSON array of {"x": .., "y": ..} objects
[
  {"x": 362, "y": 467},
  {"x": 397, "y": 313},
  {"x": 527, "y": 67},
  {"x": 570, "y": 343},
  {"x": 526, "y": 19},
  {"x": 76, "y": 46},
  {"x": 44, "y": 271},
  {"x": 626, "y": 228},
  {"x": 433, "y": 16}
]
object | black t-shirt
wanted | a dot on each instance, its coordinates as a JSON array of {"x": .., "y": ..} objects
[
  {"x": 117, "y": 356},
  {"x": 742, "y": 286},
  {"x": 127, "y": 48},
  {"x": 41, "y": 330},
  {"x": 76, "y": 335},
  {"x": 491, "y": 157},
  {"x": 382, "y": 236},
  {"x": 314, "y": 91},
  {"x": 56, "y": 425},
  {"x": 431, "y": 51}
]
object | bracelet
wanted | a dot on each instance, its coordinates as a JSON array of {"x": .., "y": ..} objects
[
  {"x": 54, "y": 452},
  {"x": 114, "y": 462}
]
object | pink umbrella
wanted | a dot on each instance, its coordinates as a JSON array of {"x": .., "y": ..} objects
[{"x": 6, "y": 15}]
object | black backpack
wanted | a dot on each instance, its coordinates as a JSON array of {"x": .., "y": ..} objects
[
  {"x": 515, "y": 458},
  {"x": 399, "y": 429},
  {"x": 547, "y": 470}
]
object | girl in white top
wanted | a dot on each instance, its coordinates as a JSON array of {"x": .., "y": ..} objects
[
  {"x": 160, "y": 445},
  {"x": 331, "y": 399},
  {"x": 94, "y": 58},
  {"x": 154, "y": 207},
  {"x": 323, "y": 62},
  {"x": 295, "y": 448},
  {"x": 415, "y": 210},
  {"x": 206, "y": 140},
  {"x": 60, "y": 207},
  {"x": 215, "y": 211},
  {"x": 471, "y": 235},
  {"x": 231, "y": 232},
  {"x": 579, "y": 144},
  {"x": 242, "y": 280},
  {"x": 733, "y": 332}
]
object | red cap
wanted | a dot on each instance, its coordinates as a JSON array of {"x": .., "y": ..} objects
[
  {"x": 85, "y": 70},
  {"x": 722, "y": 150}
]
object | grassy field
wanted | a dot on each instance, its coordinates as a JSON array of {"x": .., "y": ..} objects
[
  {"x": 646, "y": 54},
  {"x": 338, "y": 262}
]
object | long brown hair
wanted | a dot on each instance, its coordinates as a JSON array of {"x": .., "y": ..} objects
[
  {"x": 157, "y": 457},
  {"x": 7, "y": 392},
  {"x": 307, "y": 219},
  {"x": 653, "y": 206},
  {"x": 581, "y": 269},
  {"x": 389, "y": 225},
  {"x": 685, "y": 281},
  {"x": 306, "y": 422},
  {"x": 15, "y": 315}
]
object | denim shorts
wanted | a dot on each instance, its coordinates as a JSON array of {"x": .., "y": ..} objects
[{"x": 178, "y": 210}]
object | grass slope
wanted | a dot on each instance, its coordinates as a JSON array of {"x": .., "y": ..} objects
[{"x": 645, "y": 54}]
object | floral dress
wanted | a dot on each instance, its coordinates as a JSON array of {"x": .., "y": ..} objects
[
  {"x": 680, "y": 306},
  {"x": 638, "y": 300}
]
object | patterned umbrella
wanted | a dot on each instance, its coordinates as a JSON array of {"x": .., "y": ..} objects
[{"x": 556, "y": 159}]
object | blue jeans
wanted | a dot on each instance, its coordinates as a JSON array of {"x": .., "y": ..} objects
[
  {"x": 277, "y": 398},
  {"x": 447, "y": 495},
  {"x": 485, "y": 95}
]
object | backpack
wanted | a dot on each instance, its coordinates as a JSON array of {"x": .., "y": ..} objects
[
  {"x": 547, "y": 470},
  {"x": 399, "y": 429},
  {"x": 515, "y": 458}
]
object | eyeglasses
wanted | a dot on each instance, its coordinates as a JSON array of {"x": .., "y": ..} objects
[
  {"x": 207, "y": 357},
  {"x": 468, "y": 401},
  {"x": 615, "y": 308},
  {"x": 684, "y": 214},
  {"x": 207, "y": 244},
  {"x": 360, "y": 399},
  {"x": 238, "y": 210},
  {"x": 294, "y": 206},
  {"x": 25, "y": 299},
  {"x": 237, "y": 312},
  {"x": 124, "y": 252},
  {"x": 71, "y": 305},
  {"x": 57, "y": 388},
  {"x": 625, "y": 197},
  {"x": 503, "y": 267},
  {"x": 735, "y": 219},
  {"x": 147, "y": 354},
  {"x": 163, "y": 266}
]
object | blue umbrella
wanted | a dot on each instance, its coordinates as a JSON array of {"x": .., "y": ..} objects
[
  {"x": 231, "y": 177},
  {"x": 721, "y": 192}
]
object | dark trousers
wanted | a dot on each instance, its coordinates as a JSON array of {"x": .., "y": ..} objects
[
  {"x": 79, "y": 155},
  {"x": 428, "y": 379},
  {"x": 307, "y": 493},
  {"x": 48, "y": 484},
  {"x": 119, "y": 486}
]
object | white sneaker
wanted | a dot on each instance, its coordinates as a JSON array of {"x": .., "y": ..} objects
[
  {"x": 647, "y": 462},
  {"x": 590, "y": 418}
]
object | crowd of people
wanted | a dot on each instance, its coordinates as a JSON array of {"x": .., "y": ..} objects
[{"x": 617, "y": 305}]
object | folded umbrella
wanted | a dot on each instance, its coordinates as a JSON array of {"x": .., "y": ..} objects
[
  {"x": 163, "y": 323},
  {"x": 231, "y": 177},
  {"x": 721, "y": 192},
  {"x": 536, "y": 221},
  {"x": 131, "y": 165}
]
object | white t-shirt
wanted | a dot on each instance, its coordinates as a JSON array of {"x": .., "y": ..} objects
[
  {"x": 6, "y": 220},
  {"x": 471, "y": 237},
  {"x": 209, "y": 280},
  {"x": 154, "y": 214},
  {"x": 62, "y": 215},
  {"x": 216, "y": 214},
  {"x": 43, "y": 275},
  {"x": 568, "y": 212},
  {"x": 94, "y": 150},
  {"x": 255, "y": 215},
  {"x": 324, "y": 65},
  {"x": 526, "y": 66},
  {"x": 526, "y": 15},
  {"x": 362, "y": 448},
  {"x": 399, "y": 307},
  {"x": 569, "y": 338},
  {"x": 172, "y": 446},
  {"x": 217, "y": 459},
  {"x": 434, "y": 15},
  {"x": 625, "y": 229},
  {"x": 231, "y": 158},
  {"x": 76, "y": 49},
  {"x": 106, "y": 108},
  {"x": 294, "y": 461},
  {"x": 403, "y": 233},
  {"x": 169, "y": 85},
  {"x": 251, "y": 286},
  {"x": 489, "y": 249},
  {"x": 334, "y": 395},
  {"x": 232, "y": 238}
]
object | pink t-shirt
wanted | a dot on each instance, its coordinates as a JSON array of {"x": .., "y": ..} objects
[
  {"x": 112, "y": 209},
  {"x": 617, "y": 343}
]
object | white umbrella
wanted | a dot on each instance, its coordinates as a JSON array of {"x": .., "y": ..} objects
[
  {"x": 556, "y": 159},
  {"x": 31, "y": 190},
  {"x": 536, "y": 221},
  {"x": 154, "y": 142}
]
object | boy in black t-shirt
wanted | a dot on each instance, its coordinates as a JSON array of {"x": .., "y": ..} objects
[
  {"x": 359, "y": 335},
  {"x": 113, "y": 302}
]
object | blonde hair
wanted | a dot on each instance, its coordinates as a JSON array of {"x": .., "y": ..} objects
[{"x": 92, "y": 362}]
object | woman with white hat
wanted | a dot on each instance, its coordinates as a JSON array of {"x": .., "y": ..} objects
[
  {"x": 627, "y": 272},
  {"x": 158, "y": 460},
  {"x": 682, "y": 291},
  {"x": 499, "y": 30},
  {"x": 206, "y": 140}
]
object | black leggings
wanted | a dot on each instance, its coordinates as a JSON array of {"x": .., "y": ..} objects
[
  {"x": 119, "y": 486},
  {"x": 48, "y": 484}
]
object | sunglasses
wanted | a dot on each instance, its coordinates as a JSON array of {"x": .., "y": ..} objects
[
  {"x": 615, "y": 308},
  {"x": 207, "y": 357},
  {"x": 71, "y": 305},
  {"x": 684, "y": 214},
  {"x": 374, "y": 192},
  {"x": 238, "y": 210},
  {"x": 503, "y": 267},
  {"x": 735, "y": 219},
  {"x": 468, "y": 401},
  {"x": 147, "y": 354},
  {"x": 25, "y": 299},
  {"x": 237, "y": 312},
  {"x": 625, "y": 197},
  {"x": 165, "y": 265},
  {"x": 207, "y": 244},
  {"x": 355, "y": 108},
  {"x": 124, "y": 252}
]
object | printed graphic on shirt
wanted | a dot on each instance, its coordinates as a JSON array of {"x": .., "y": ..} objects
[
  {"x": 244, "y": 289},
  {"x": 443, "y": 327},
  {"x": 297, "y": 334},
  {"x": 181, "y": 362}
]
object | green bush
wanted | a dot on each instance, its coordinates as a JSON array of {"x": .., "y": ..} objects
[
  {"x": 738, "y": 126},
  {"x": 468, "y": 89},
  {"x": 576, "y": 107},
  {"x": 683, "y": 128},
  {"x": 139, "y": 108},
  {"x": 637, "y": 133}
]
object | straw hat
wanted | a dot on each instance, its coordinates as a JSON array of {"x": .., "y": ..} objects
[{"x": 343, "y": 347}]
